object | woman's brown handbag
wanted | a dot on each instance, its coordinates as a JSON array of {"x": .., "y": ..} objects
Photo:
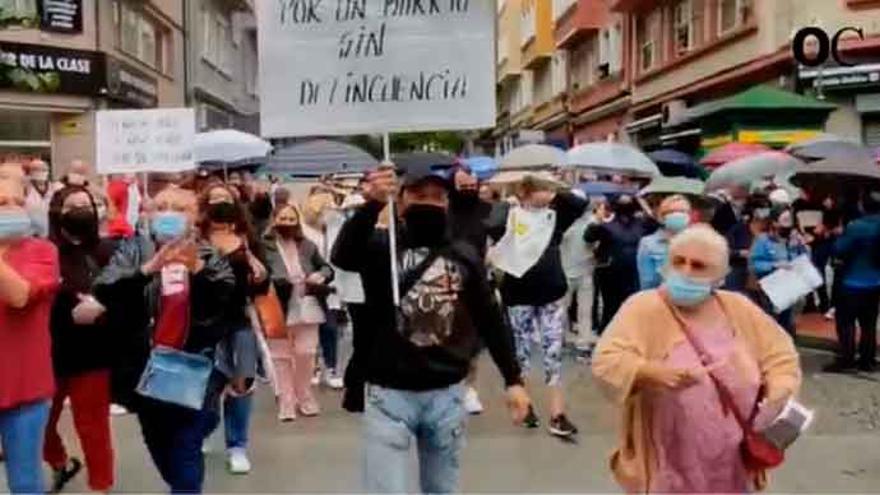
[{"x": 271, "y": 314}]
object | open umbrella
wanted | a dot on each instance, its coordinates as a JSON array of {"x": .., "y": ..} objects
[
  {"x": 674, "y": 185},
  {"x": 509, "y": 177},
  {"x": 675, "y": 163},
  {"x": 229, "y": 145},
  {"x": 730, "y": 152},
  {"x": 317, "y": 157},
  {"x": 836, "y": 169},
  {"x": 483, "y": 167},
  {"x": 533, "y": 156},
  {"x": 829, "y": 146},
  {"x": 604, "y": 188},
  {"x": 744, "y": 171},
  {"x": 612, "y": 158}
]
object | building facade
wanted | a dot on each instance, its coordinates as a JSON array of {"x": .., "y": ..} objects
[
  {"x": 660, "y": 72},
  {"x": 222, "y": 64},
  {"x": 62, "y": 61}
]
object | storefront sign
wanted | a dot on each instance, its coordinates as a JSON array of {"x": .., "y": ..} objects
[
  {"x": 46, "y": 69},
  {"x": 62, "y": 16},
  {"x": 367, "y": 66},
  {"x": 848, "y": 81},
  {"x": 784, "y": 136},
  {"x": 159, "y": 140},
  {"x": 131, "y": 86}
]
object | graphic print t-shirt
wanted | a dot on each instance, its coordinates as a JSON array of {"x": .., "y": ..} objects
[{"x": 428, "y": 309}]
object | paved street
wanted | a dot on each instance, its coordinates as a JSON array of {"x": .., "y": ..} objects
[{"x": 321, "y": 454}]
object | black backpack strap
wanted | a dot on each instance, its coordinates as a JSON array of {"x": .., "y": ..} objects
[{"x": 410, "y": 277}]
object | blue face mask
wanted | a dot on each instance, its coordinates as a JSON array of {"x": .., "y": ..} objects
[
  {"x": 168, "y": 226},
  {"x": 677, "y": 221},
  {"x": 15, "y": 225},
  {"x": 685, "y": 291}
]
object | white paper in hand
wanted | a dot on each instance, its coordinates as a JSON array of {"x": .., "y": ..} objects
[
  {"x": 786, "y": 285},
  {"x": 527, "y": 236}
]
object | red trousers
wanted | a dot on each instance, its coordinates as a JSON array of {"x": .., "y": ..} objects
[{"x": 90, "y": 403}]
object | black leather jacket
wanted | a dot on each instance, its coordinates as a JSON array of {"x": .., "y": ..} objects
[{"x": 131, "y": 299}]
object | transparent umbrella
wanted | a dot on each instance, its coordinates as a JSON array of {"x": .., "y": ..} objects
[
  {"x": 612, "y": 158},
  {"x": 744, "y": 171}
]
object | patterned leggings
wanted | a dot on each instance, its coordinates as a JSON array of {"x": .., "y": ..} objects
[{"x": 549, "y": 322}]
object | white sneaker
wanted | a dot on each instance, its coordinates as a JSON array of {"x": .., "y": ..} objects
[
  {"x": 117, "y": 410},
  {"x": 333, "y": 380},
  {"x": 238, "y": 462},
  {"x": 830, "y": 314},
  {"x": 472, "y": 402}
]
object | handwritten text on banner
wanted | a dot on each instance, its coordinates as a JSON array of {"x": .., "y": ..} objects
[
  {"x": 331, "y": 67},
  {"x": 159, "y": 140}
]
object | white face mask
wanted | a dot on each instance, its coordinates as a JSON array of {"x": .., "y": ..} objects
[{"x": 41, "y": 176}]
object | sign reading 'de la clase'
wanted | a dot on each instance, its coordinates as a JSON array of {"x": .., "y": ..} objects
[
  {"x": 334, "y": 67},
  {"x": 156, "y": 140}
]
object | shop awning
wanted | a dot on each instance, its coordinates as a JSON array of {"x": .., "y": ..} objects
[{"x": 761, "y": 98}]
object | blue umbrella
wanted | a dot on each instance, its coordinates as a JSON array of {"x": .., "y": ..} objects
[
  {"x": 674, "y": 163},
  {"x": 483, "y": 166},
  {"x": 600, "y": 188}
]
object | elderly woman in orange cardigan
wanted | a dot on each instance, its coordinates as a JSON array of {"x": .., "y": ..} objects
[{"x": 676, "y": 434}]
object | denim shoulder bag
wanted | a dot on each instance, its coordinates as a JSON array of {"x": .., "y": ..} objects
[{"x": 172, "y": 375}]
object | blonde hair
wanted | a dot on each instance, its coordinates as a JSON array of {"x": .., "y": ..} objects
[{"x": 707, "y": 237}]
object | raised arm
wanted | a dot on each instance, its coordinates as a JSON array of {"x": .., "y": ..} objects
[{"x": 36, "y": 278}]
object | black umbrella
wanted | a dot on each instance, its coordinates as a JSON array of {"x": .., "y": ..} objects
[
  {"x": 674, "y": 163},
  {"x": 849, "y": 168}
]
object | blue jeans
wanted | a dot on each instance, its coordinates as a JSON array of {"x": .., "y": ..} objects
[
  {"x": 394, "y": 420},
  {"x": 236, "y": 418},
  {"x": 328, "y": 333},
  {"x": 21, "y": 435},
  {"x": 174, "y": 437}
]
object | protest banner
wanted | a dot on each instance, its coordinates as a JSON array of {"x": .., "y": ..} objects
[
  {"x": 337, "y": 67},
  {"x": 155, "y": 140}
]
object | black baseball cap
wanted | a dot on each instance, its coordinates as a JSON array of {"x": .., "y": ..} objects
[{"x": 418, "y": 168}]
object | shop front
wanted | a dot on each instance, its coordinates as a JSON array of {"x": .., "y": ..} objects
[
  {"x": 856, "y": 92},
  {"x": 46, "y": 97},
  {"x": 762, "y": 114}
]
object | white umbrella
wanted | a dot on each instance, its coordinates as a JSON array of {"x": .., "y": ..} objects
[
  {"x": 229, "y": 145},
  {"x": 533, "y": 156},
  {"x": 612, "y": 158}
]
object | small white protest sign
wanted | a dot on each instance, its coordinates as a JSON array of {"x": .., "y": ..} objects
[
  {"x": 155, "y": 140},
  {"x": 335, "y": 67}
]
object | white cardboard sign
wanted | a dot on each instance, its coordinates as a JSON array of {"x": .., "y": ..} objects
[
  {"x": 155, "y": 140},
  {"x": 335, "y": 67}
]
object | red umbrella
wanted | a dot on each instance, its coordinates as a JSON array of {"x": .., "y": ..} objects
[{"x": 731, "y": 151}]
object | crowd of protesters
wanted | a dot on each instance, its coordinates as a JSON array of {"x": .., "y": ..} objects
[{"x": 237, "y": 283}]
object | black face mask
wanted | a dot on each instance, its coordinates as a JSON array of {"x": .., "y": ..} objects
[
  {"x": 224, "y": 212},
  {"x": 470, "y": 194},
  {"x": 784, "y": 232},
  {"x": 79, "y": 222},
  {"x": 626, "y": 210},
  {"x": 425, "y": 225},
  {"x": 289, "y": 232}
]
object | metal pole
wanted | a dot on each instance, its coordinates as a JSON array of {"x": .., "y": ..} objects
[{"x": 392, "y": 226}]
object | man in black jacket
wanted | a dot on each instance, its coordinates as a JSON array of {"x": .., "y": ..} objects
[
  {"x": 617, "y": 243},
  {"x": 468, "y": 223},
  {"x": 420, "y": 352}
]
